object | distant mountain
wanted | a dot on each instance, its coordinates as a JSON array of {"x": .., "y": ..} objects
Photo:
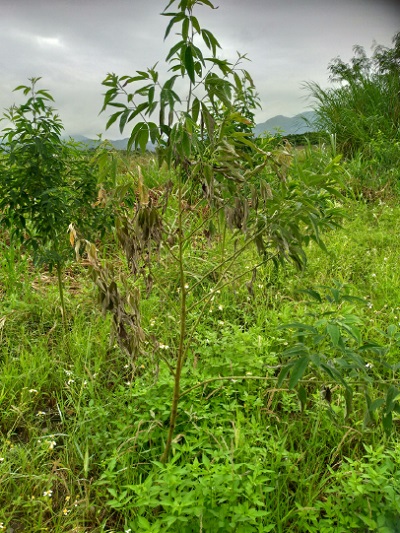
[
  {"x": 119, "y": 144},
  {"x": 301, "y": 123},
  {"x": 89, "y": 143}
]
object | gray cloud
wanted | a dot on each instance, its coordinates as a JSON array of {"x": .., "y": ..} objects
[{"x": 73, "y": 45}]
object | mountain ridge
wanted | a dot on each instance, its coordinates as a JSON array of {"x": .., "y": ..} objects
[
  {"x": 279, "y": 124},
  {"x": 301, "y": 123}
]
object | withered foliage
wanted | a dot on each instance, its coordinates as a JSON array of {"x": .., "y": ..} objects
[
  {"x": 125, "y": 308},
  {"x": 141, "y": 236}
]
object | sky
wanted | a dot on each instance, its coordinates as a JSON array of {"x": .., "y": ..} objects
[{"x": 74, "y": 44}]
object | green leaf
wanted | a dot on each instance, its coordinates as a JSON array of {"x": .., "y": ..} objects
[
  {"x": 186, "y": 143},
  {"x": 45, "y": 94},
  {"x": 312, "y": 293},
  {"x": 143, "y": 138},
  {"x": 151, "y": 93},
  {"x": 144, "y": 523},
  {"x": 208, "y": 120},
  {"x": 175, "y": 49},
  {"x": 297, "y": 371},
  {"x": 210, "y": 41},
  {"x": 348, "y": 397},
  {"x": 299, "y": 326},
  {"x": 143, "y": 74},
  {"x": 185, "y": 28},
  {"x": 387, "y": 422},
  {"x": 134, "y": 134},
  {"x": 176, "y": 17},
  {"x": 283, "y": 373},
  {"x": 189, "y": 64},
  {"x": 195, "y": 109},
  {"x": 302, "y": 395},
  {"x": 334, "y": 333},
  {"x": 207, "y": 3},
  {"x": 154, "y": 133},
  {"x": 391, "y": 395},
  {"x": 206, "y": 461},
  {"x": 376, "y": 404},
  {"x": 112, "y": 119},
  {"x": 123, "y": 119},
  {"x": 195, "y": 24}
]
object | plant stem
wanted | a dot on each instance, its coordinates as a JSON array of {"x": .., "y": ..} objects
[
  {"x": 182, "y": 332},
  {"x": 61, "y": 292}
]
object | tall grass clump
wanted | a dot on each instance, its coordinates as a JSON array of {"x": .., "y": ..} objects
[{"x": 363, "y": 106}]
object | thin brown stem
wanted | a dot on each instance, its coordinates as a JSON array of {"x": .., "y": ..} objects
[{"x": 182, "y": 334}]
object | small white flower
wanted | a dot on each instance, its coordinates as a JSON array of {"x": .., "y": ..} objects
[
  {"x": 70, "y": 381},
  {"x": 48, "y": 493},
  {"x": 369, "y": 365},
  {"x": 186, "y": 286},
  {"x": 370, "y": 305},
  {"x": 373, "y": 275},
  {"x": 220, "y": 307},
  {"x": 164, "y": 347},
  {"x": 68, "y": 372},
  {"x": 52, "y": 444},
  {"x": 1, "y": 459},
  {"x": 33, "y": 391},
  {"x": 2, "y": 526},
  {"x": 40, "y": 413}
]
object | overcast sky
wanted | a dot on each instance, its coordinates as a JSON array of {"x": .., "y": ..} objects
[{"x": 73, "y": 44}]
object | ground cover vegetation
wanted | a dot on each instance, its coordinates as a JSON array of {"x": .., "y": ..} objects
[{"x": 243, "y": 375}]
